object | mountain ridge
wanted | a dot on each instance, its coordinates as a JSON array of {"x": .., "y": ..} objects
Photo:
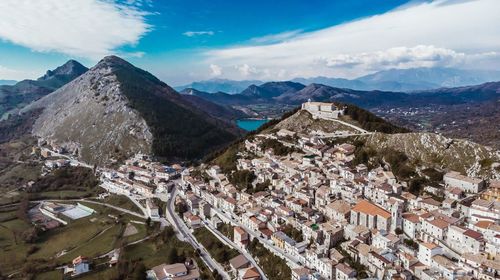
[{"x": 116, "y": 110}]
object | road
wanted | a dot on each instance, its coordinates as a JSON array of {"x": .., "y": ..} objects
[
  {"x": 293, "y": 261},
  {"x": 231, "y": 244},
  {"x": 186, "y": 235}
]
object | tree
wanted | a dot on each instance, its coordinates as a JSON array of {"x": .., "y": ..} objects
[
  {"x": 140, "y": 272},
  {"x": 172, "y": 256}
]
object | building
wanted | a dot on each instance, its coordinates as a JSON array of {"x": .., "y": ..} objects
[
  {"x": 322, "y": 110},
  {"x": 241, "y": 237},
  {"x": 338, "y": 210},
  {"x": 426, "y": 251},
  {"x": 239, "y": 262},
  {"x": 468, "y": 184},
  {"x": 344, "y": 272},
  {"x": 176, "y": 271},
  {"x": 370, "y": 215},
  {"x": 80, "y": 265},
  {"x": 301, "y": 273}
]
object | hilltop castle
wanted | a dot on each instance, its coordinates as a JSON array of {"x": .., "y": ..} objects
[{"x": 322, "y": 110}]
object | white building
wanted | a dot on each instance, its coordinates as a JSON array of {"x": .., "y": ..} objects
[{"x": 322, "y": 110}]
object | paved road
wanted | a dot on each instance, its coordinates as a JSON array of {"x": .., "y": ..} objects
[
  {"x": 293, "y": 261},
  {"x": 188, "y": 237},
  {"x": 231, "y": 244}
]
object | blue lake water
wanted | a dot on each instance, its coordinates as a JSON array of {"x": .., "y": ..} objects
[{"x": 250, "y": 124}]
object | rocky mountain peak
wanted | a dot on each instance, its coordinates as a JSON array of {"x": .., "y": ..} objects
[{"x": 71, "y": 69}]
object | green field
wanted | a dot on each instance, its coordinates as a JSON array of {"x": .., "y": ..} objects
[
  {"x": 91, "y": 236},
  {"x": 220, "y": 252},
  {"x": 121, "y": 201}
]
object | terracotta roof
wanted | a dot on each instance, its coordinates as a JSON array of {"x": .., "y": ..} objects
[
  {"x": 484, "y": 224},
  {"x": 368, "y": 208},
  {"x": 440, "y": 223},
  {"x": 240, "y": 230},
  {"x": 251, "y": 273},
  {"x": 473, "y": 234},
  {"x": 411, "y": 217},
  {"x": 429, "y": 245}
]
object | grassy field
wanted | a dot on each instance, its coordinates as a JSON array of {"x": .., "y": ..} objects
[
  {"x": 12, "y": 250},
  {"x": 121, "y": 201},
  {"x": 90, "y": 236}
]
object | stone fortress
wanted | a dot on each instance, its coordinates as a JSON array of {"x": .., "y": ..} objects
[{"x": 322, "y": 110}]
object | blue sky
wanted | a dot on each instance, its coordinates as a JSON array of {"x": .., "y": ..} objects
[{"x": 183, "y": 40}]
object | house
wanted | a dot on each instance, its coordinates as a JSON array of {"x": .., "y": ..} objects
[
  {"x": 301, "y": 273},
  {"x": 434, "y": 229},
  {"x": 426, "y": 251},
  {"x": 468, "y": 184},
  {"x": 344, "y": 272},
  {"x": 250, "y": 273},
  {"x": 465, "y": 240},
  {"x": 152, "y": 209},
  {"x": 239, "y": 262},
  {"x": 241, "y": 237},
  {"x": 338, "y": 210},
  {"x": 176, "y": 271},
  {"x": 370, "y": 215},
  {"x": 80, "y": 265},
  {"x": 410, "y": 224}
]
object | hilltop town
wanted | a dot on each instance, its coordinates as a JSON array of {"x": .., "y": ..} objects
[{"x": 283, "y": 204}]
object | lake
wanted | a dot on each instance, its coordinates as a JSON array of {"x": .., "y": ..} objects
[{"x": 250, "y": 124}]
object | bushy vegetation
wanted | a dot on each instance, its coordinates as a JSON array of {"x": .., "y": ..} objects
[
  {"x": 242, "y": 179},
  {"x": 273, "y": 266},
  {"x": 220, "y": 252},
  {"x": 371, "y": 122},
  {"x": 178, "y": 132},
  {"x": 66, "y": 178},
  {"x": 278, "y": 148},
  {"x": 294, "y": 233}
]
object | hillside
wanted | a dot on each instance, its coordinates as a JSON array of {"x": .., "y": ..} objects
[
  {"x": 116, "y": 110},
  {"x": 22, "y": 93},
  {"x": 430, "y": 150}
]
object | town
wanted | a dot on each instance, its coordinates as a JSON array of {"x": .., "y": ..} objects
[{"x": 296, "y": 202}]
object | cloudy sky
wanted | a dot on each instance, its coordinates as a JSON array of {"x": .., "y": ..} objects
[{"x": 186, "y": 40}]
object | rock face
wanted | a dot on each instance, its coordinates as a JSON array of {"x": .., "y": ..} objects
[
  {"x": 437, "y": 151},
  {"x": 90, "y": 114},
  {"x": 116, "y": 110}
]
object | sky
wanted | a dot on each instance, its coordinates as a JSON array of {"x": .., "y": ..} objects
[{"x": 181, "y": 41}]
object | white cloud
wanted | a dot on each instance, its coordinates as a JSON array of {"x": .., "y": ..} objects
[
  {"x": 12, "y": 74},
  {"x": 274, "y": 38},
  {"x": 437, "y": 33},
  {"x": 198, "y": 33},
  {"x": 83, "y": 28},
  {"x": 216, "y": 70},
  {"x": 399, "y": 57}
]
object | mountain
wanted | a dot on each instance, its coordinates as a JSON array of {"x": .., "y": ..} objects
[
  {"x": 223, "y": 112},
  {"x": 428, "y": 78},
  {"x": 220, "y": 97},
  {"x": 22, "y": 93},
  {"x": 116, "y": 110},
  {"x": 271, "y": 89},
  {"x": 334, "y": 82},
  {"x": 7, "y": 82},
  {"x": 220, "y": 85}
]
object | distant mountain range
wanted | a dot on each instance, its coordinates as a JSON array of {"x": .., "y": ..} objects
[
  {"x": 22, "y": 93},
  {"x": 406, "y": 80},
  {"x": 216, "y": 85}
]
